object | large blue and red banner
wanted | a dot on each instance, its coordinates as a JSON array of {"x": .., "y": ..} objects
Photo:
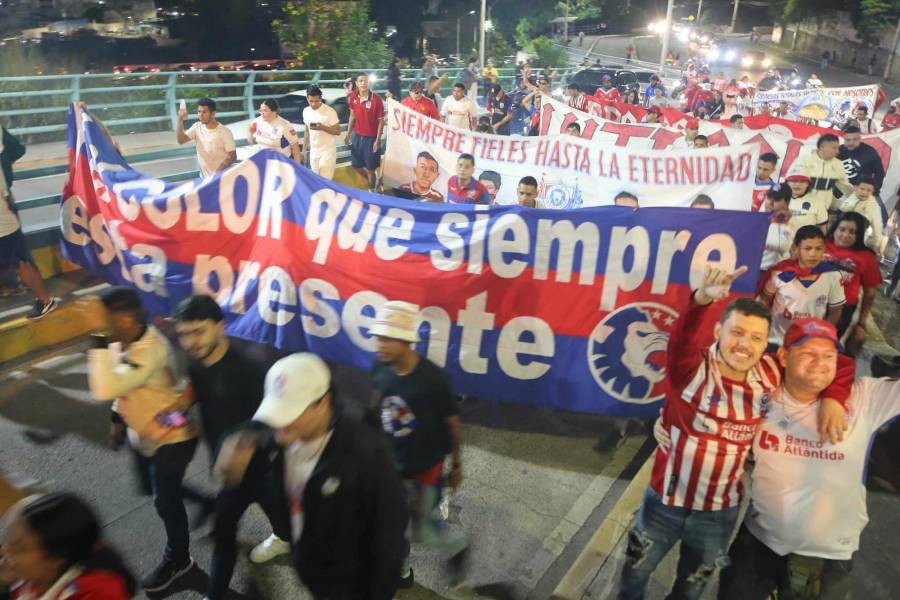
[{"x": 563, "y": 308}]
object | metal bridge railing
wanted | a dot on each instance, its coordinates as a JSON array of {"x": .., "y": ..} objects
[
  {"x": 43, "y": 103},
  {"x": 36, "y": 107}
]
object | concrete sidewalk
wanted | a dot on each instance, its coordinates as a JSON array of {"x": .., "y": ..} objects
[{"x": 56, "y": 153}]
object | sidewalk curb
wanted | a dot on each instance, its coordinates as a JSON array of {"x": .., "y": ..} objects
[
  {"x": 602, "y": 544},
  {"x": 21, "y": 336}
]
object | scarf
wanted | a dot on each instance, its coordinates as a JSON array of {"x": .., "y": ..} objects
[{"x": 790, "y": 269}]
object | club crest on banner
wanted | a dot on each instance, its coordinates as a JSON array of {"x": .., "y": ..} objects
[
  {"x": 554, "y": 193},
  {"x": 627, "y": 349}
]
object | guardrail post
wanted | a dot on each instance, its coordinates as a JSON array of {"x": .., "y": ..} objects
[
  {"x": 316, "y": 78},
  {"x": 75, "y": 88},
  {"x": 170, "y": 98},
  {"x": 249, "y": 86}
]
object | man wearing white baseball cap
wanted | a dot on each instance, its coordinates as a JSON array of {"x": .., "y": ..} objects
[
  {"x": 344, "y": 499},
  {"x": 420, "y": 417}
]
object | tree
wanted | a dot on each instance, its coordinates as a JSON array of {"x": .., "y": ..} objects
[
  {"x": 547, "y": 54},
  {"x": 331, "y": 35},
  {"x": 498, "y": 48},
  {"x": 875, "y": 15},
  {"x": 524, "y": 32}
]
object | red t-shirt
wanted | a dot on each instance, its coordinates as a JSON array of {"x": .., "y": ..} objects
[
  {"x": 91, "y": 585},
  {"x": 863, "y": 267},
  {"x": 367, "y": 113},
  {"x": 423, "y": 106},
  {"x": 610, "y": 95},
  {"x": 891, "y": 121}
]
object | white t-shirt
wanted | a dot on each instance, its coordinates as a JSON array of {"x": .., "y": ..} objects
[
  {"x": 806, "y": 211},
  {"x": 278, "y": 135},
  {"x": 213, "y": 145},
  {"x": 320, "y": 142},
  {"x": 797, "y": 299},
  {"x": 778, "y": 245},
  {"x": 300, "y": 460},
  {"x": 808, "y": 497},
  {"x": 458, "y": 112}
]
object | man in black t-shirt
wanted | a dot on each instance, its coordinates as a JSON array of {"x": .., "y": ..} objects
[
  {"x": 228, "y": 387},
  {"x": 420, "y": 417}
]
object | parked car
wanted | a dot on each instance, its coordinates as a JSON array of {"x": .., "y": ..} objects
[{"x": 589, "y": 79}]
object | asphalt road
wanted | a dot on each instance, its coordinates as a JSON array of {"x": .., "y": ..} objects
[
  {"x": 533, "y": 484},
  {"x": 648, "y": 47}
]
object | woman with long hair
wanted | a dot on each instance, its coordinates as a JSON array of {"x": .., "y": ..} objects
[
  {"x": 845, "y": 245},
  {"x": 632, "y": 97},
  {"x": 53, "y": 550}
]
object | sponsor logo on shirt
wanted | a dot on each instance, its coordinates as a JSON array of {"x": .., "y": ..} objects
[{"x": 797, "y": 446}]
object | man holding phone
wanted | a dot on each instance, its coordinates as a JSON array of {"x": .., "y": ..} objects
[
  {"x": 320, "y": 135},
  {"x": 216, "y": 150}
]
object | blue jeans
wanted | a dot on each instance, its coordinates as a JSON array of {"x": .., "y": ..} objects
[
  {"x": 704, "y": 537},
  {"x": 425, "y": 527},
  {"x": 164, "y": 472}
]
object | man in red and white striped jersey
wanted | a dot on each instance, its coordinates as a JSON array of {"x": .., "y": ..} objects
[
  {"x": 581, "y": 101},
  {"x": 716, "y": 398}
]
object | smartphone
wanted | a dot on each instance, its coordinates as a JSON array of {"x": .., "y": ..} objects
[
  {"x": 172, "y": 418},
  {"x": 182, "y": 105}
]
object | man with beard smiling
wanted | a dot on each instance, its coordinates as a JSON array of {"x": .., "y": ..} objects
[
  {"x": 716, "y": 397},
  {"x": 228, "y": 387}
]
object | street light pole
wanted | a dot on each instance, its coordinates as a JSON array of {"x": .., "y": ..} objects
[
  {"x": 737, "y": 3},
  {"x": 666, "y": 33},
  {"x": 457, "y": 35},
  {"x": 481, "y": 33},
  {"x": 566, "y": 25},
  {"x": 890, "y": 61},
  {"x": 699, "y": 8}
]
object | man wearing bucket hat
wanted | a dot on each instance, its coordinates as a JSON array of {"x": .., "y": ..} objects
[
  {"x": 342, "y": 495},
  {"x": 420, "y": 417}
]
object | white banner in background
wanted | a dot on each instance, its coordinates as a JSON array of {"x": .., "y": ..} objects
[
  {"x": 571, "y": 172},
  {"x": 823, "y": 104},
  {"x": 556, "y": 116}
]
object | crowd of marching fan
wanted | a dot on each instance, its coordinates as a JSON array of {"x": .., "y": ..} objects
[{"x": 347, "y": 498}]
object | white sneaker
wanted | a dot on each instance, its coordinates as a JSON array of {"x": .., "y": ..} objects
[{"x": 272, "y": 547}]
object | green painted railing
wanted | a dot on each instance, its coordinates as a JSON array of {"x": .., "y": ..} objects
[
  {"x": 32, "y": 106},
  {"x": 35, "y": 107}
]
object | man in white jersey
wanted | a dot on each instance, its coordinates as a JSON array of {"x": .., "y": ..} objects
[
  {"x": 271, "y": 131},
  {"x": 215, "y": 143},
  {"x": 459, "y": 110},
  {"x": 320, "y": 134},
  {"x": 803, "y": 287}
]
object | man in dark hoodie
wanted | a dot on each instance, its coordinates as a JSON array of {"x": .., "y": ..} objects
[
  {"x": 342, "y": 495},
  {"x": 861, "y": 161}
]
